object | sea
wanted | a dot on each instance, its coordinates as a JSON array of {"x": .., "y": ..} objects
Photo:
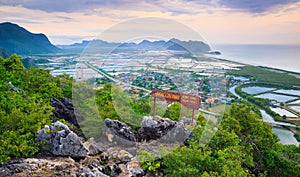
[{"x": 285, "y": 57}]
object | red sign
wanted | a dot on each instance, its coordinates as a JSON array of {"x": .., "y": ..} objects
[{"x": 187, "y": 100}]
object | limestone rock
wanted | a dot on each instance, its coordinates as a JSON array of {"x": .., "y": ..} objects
[
  {"x": 64, "y": 109},
  {"x": 119, "y": 154},
  {"x": 52, "y": 166},
  {"x": 135, "y": 168},
  {"x": 121, "y": 129},
  {"x": 155, "y": 127},
  {"x": 61, "y": 141},
  {"x": 93, "y": 147}
]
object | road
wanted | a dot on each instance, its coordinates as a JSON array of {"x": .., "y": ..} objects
[
  {"x": 133, "y": 86},
  {"x": 113, "y": 79}
]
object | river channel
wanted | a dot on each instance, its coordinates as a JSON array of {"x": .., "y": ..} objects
[{"x": 285, "y": 136}]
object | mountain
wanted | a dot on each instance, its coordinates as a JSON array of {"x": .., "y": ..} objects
[
  {"x": 172, "y": 44},
  {"x": 191, "y": 46},
  {"x": 16, "y": 39}
]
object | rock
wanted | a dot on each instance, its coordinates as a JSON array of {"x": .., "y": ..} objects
[
  {"x": 89, "y": 174},
  {"x": 135, "y": 168},
  {"x": 154, "y": 127},
  {"x": 124, "y": 156},
  {"x": 61, "y": 141},
  {"x": 188, "y": 121},
  {"x": 64, "y": 109},
  {"x": 93, "y": 147},
  {"x": 52, "y": 166},
  {"x": 121, "y": 129},
  {"x": 119, "y": 154}
]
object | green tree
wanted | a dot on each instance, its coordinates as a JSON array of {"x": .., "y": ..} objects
[{"x": 22, "y": 114}]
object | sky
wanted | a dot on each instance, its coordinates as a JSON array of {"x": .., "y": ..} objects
[{"x": 217, "y": 21}]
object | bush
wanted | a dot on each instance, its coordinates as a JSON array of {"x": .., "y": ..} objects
[{"x": 23, "y": 113}]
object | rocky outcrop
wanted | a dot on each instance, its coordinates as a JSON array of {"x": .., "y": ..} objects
[
  {"x": 61, "y": 141},
  {"x": 93, "y": 147},
  {"x": 122, "y": 163},
  {"x": 152, "y": 128},
  {"x": 155, "y": 127},
  {"x": 64, "y": 109},
  {"x": 91, "y": 159},
  {"x": 121, "y": 129},
  {"x": 53, "y": 166},
  {"x": 113, "y": 162}
]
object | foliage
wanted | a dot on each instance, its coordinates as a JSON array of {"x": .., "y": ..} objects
[
  {"x": 148, "y": 161},
  {"x": 260, "y": 102},
  {"x": 23, "y": 113},
  {"x": 173, "y": 111},
  {"x": 242, "y": 146},
  {"x": 267, "y": 76}
]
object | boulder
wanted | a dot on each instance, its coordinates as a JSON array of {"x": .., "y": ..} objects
[
  {"x": 61, "y": 141},
  {"x": 93, "y": 147},
  {"x": 154, "y": 127},
  {"x": 64, "y": 109},
  {"x": 121, "y": 129}
]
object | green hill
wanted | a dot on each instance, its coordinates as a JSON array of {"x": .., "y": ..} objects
[{"x": 16, "y": 39}]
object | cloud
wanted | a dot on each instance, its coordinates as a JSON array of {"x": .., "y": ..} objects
[
  {"x": 70, "y": 5},
  {"x": 217, "y": 22},
  {"x": 176, "y": 7},
  {"x": 255, "y": 6}
]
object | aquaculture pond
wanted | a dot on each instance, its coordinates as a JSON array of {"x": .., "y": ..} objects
[
  {"x": 277, "y": 97},
  {"x": 256, "y": 90}
]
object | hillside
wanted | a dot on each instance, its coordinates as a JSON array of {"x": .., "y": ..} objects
[
  {"x": 172, "y": 44},
  {"x": 16, "y": 39}
]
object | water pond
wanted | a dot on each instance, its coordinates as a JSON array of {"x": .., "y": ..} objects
[
  {"x": 285, "y": 136},
  {"x": 277, "y": 97},
  {"x": 256, "y": 90},
  {"x": 289, "y": 92}
]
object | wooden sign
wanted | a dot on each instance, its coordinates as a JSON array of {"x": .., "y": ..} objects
[{"x": 187, "y": 100}]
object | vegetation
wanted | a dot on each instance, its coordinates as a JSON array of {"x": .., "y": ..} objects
[
  {"x": 23, "y": 113},
  {"x": 264, "y": 75},
  {"x": 260, "y": 102},
  {"x": 242, "y": 146}
]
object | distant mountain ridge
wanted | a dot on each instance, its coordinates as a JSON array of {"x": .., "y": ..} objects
[
  {"x": 16, "y": 39},
  {"x": 172, "y": 44}
]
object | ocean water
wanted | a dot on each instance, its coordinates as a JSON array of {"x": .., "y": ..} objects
[{"x": 286, "y": 57}]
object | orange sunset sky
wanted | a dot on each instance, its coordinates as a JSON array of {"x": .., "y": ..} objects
[{"x": 217, "y": 21}]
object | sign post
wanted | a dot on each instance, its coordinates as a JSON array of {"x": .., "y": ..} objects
[
  {"x": 187, "y": 100},
  {"x": 154, "y": 107},
  {"x": 193, "y": 114}
]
